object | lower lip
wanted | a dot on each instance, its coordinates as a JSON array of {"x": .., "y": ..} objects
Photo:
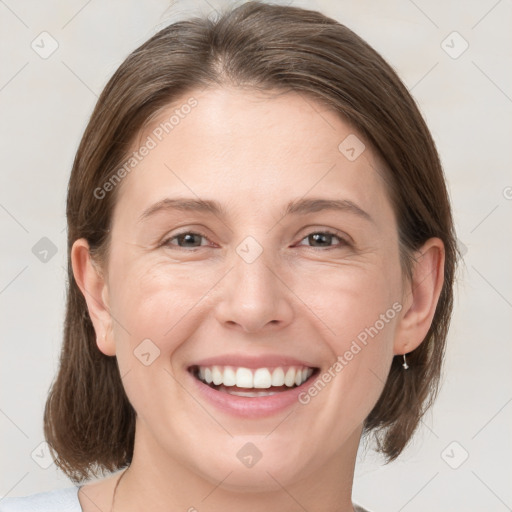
[{"x": 251, "y": 407}]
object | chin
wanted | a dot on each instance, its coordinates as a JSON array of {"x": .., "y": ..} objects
[{"x": 253, "y": 464}]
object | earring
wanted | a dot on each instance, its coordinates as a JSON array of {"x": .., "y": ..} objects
[{"x": 405, "y": 365}]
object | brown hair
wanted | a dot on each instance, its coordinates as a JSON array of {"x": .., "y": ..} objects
[{"x": 88, "y": 420}]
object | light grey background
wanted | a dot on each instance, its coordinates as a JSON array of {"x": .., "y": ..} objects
[{"x": 45, "y": 105}]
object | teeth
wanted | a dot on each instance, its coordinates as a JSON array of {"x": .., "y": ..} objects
[
  {"x": 217, "y": 375},
  {"x": 250, "y": 394},
  {"x": 244, "y": 378},
  {"x": 229, "y": 377},
  {"x": 289, "y": 378},
  {"x": 278, "y": 377},
  {"x": 260, "y": 378}
]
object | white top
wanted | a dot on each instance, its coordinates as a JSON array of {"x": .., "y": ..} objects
[{"x": 61, "y": 500}]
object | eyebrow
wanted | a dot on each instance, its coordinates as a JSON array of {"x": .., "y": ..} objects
[{"x": 295, "y": 207}]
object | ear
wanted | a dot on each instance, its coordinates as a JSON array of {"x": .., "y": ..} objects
[
  {"x": 93, "y": 286},
  {"x": 421, "y": 295}
]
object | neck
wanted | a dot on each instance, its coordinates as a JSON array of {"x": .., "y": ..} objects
[{"x": 160, "y": 483}]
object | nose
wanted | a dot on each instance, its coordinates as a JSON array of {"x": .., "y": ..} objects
[{"x": 254, "y": 296}]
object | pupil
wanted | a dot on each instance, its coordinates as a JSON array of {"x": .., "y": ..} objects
[
  {"x": 188, "y": 237},
  {"x": 320, "y": 237}
]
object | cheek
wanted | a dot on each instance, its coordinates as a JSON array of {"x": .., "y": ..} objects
[
  {"x": 359, "y": 309},
  {"x": 349, "y": 302},
  {"x": 155, "y": 308},
  {"x": 156, "y": 302}
]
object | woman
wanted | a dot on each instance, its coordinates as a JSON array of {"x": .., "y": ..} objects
[{"x": 261, "y": 261}]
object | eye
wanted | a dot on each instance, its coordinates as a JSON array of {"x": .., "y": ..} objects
[
  {"x": 318, "y": 239},
  {"x": 324, "y": 239},
  {"x": 187, "y": 239}
]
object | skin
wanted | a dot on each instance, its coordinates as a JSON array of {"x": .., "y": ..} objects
[{"x": 253, "y": 153}]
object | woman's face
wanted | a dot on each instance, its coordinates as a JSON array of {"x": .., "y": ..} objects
[{"x": 255, "y": 237}]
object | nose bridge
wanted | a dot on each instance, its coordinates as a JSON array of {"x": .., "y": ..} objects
[
  {"x": 252, "y": 265},
  {"x": 254, "y": 282}
]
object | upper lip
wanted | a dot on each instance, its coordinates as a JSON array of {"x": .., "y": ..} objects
[{"x": 245, "y": 361}]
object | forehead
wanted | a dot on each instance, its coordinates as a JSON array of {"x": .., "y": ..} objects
[{"x": 250, "y": 149}]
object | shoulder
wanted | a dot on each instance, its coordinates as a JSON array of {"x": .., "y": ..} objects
[{"x": 60, "y": 500}]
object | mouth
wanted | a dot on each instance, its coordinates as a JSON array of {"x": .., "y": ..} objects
[{"x": 253, "y": 383}]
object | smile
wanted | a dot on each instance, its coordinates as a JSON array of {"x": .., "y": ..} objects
[{"x": 252, "y": 382}]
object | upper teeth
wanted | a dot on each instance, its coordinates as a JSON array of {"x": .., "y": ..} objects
[{"x": 258, "y": 378}]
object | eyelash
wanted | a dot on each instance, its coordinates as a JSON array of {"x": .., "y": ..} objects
[{"x": 343, "y": 241}]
